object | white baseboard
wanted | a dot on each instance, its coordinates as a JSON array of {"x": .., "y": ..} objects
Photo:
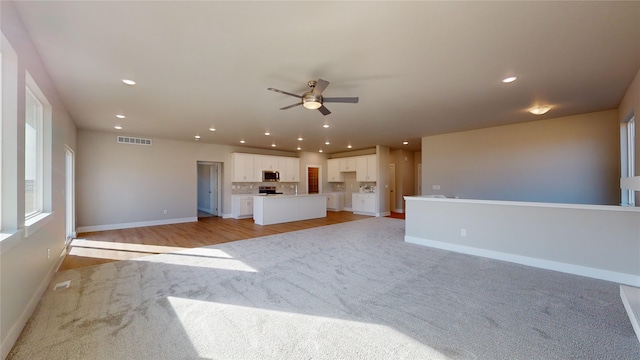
[
  {"x": 384, "y": 213},
  {"x": 136, "y": 224},
  {"x": 621, "y": 278},
  {"x": 16, "y": 329},
  {"x": 227, "y": 216},
  {"x": 631, "y": 300},
  {"x": 399, "y": 211}
]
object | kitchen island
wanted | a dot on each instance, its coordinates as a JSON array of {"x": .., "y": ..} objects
[{"x": 276, "y": 209}]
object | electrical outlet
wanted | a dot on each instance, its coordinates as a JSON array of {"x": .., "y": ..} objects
[
  {"x": 48, "y": 253},
  {"x": 435, "y": 187},
  {"x": 165, "y": 212},
  {"x": 463, "y": 232}
]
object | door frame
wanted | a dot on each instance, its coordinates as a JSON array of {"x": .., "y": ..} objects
[
  {"x": 306, "y": 177},
  {"x": 70, "y": 190},
  {"x": 216, "y": 206}
]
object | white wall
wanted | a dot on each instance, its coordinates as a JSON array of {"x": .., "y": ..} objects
[
  {"x": 629, "y": 105},
  {"x": 122, "y": 185},
  {"x": 589, "y": 240},
  {"x": 383, "y": 156},
  {"x": 405, "y": 176},
  {"x": 573, "y": 159},
  {"x": 25, "y": 270}
]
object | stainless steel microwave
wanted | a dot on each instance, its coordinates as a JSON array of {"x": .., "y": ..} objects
[{"x": 270, "y": 176}]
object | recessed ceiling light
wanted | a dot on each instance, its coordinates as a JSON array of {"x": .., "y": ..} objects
[
  {"x": 299, "y": 148},
  {"x": 320, "y": 150},
  {"x": 120, "y": 116},
  {"x": 118, "y": 127},
  {"x": 405, "y": 143},
  {"x": 299, "y": 139},
  {"x": 241, "y": 141},
  {"x": 326, "y": 143},
  {"x": 325, "y": 126},
  {"x": 212, "y": 129},
  {"x": 540, "y": 109},
  {"x": 128, "y": 82},
  {"x": 273, "y": 145},
  {"x": 510, "y": 79},
  {"x": 267, "y": 133},
  {"x": 349, "y": 146},
  {"x": 197, "y": 136}
]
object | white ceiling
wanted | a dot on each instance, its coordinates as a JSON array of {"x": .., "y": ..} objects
[{"x": 419, "y": 68}]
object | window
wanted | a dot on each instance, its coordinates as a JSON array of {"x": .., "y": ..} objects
[
  {"x": 631, "y": 161},
  {"x": 627, "y": 158},
  {"x": 33, "y": 157}
]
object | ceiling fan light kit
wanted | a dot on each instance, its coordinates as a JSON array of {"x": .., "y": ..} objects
[
  {"x": 313, "y": 99},
  {"x": 540, "y": 109}
]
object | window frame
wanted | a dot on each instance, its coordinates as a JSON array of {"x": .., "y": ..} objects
[
  {"x": 38, "y": 125},
  {"x": 37, "y": 220},
  {"x": 631, "y": 162},
  {"x": 627, "y": 158}
]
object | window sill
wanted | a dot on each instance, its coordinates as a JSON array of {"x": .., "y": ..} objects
[
  {"x": 9, "y": 240},
  {"x": 32, "y": 225}
]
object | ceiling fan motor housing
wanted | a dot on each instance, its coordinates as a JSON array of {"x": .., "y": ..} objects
[{"x": 311, "y": 100}]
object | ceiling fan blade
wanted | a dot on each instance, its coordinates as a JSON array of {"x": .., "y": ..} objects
[
  {"x": 320, "y": 86},
  {"x": 284, "y": 92},
  {"x": 352, "y": 100},
  {"x": 324, "y": 110},
  {"x": 290, "y": 106}
]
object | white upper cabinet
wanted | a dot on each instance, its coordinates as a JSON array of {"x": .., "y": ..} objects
[
  {"x": 347, "y": 164},
  {"x": 249, "y": 167},
  {"x": 289, "y": 169},
  {"x": 366, "y": 168},
  {"x": 243, "y": 168},
  {"x": 270, "y": 163},
  {"x": 333, "y": 170}
]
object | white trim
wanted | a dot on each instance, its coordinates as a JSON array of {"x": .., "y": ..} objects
[
  {"x": 631, "y": 300},
  {"x": 35, "y": 223},
  {"x": 18, "y": 326},
  {"x": 227, "y": 216},
  {"x": 135, "y": 224},
  {"x": 9, "y": 240},
  {"x": 630, "y": 183},
  {"x": 595, "y": 273},
  {"x": 528, "y": 204}
]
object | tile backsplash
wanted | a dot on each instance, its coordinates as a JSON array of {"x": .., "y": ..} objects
[{"x": 252, "y": 188}]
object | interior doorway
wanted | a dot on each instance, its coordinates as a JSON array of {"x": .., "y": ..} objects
[
  {"x": 70, "y": 199},
  {"x": 209, "y": 174},
  {"x": 392, "y": 189},
  {"x": 314, "y": 174}
]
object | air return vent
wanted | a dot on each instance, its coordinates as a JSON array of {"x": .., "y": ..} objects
[{"x": 133, "y": 140}]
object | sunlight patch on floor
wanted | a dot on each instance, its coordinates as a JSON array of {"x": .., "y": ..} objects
[
  {"x": 109, "y": 245},
  {"x": 107, "y": 254},
  {"x": 201, "y": 257},
  {"x": 219, "y": 330}
]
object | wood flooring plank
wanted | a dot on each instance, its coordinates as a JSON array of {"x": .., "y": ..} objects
[{"x": 206, "y": 231}]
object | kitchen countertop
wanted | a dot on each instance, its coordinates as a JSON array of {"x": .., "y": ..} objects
[{"x": 286, "y": 195}]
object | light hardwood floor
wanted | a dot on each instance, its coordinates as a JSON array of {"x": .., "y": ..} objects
[{"x": 93, "y": 248}]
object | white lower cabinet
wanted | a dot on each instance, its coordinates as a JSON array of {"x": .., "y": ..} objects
[
  {"x": 241, "y": 206},
  {"x": 335, "y": 201},
  {"x": 364, "y": 204}
]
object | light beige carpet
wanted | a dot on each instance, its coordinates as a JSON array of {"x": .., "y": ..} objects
[{"x": 348, "y": 291}]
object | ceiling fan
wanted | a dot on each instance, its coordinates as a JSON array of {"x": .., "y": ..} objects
[{"x": 313, "y": 98}]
